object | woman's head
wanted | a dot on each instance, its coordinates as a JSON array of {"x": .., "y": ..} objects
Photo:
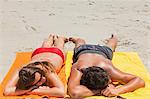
[
  {"x": 94, "y": 78},
  {"x": 30, "y": 76}
]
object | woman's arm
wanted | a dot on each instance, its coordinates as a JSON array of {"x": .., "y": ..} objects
[
  {"x": 45, "y": 90},
  {"x": 55, "y": 87},
  {"x": 10, "y": 89}
]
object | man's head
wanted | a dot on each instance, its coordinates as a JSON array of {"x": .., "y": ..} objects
[
  {"x": 94, "y": 78},
  {"x": 30, "y": 76}
]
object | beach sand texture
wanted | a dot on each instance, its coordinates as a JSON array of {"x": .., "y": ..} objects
[{"x": 26, "y": 23}]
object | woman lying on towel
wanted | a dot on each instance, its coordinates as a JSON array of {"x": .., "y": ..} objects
[
  {"x": 92, "y": 72},
  {"x": 39, "y": 77}
]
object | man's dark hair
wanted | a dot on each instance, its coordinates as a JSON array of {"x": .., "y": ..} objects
[
  {"x": 94, "y": 78},
  {"x": 27, "y": 76}
]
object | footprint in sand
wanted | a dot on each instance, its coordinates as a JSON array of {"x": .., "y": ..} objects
[
  {"x": 28, "y": 27},
  {"x": 125, "y": 43}
]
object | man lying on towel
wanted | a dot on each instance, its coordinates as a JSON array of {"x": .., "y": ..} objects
[
  {"x": 92, "y": 71},
  {"x": 39, "y": 76}
]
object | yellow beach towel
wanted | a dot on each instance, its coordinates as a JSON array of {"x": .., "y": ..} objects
[{"x": 126, "y": 61}]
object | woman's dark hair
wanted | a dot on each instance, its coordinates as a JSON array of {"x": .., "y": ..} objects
[
  {"x": 27, "y": 76},
  {"x": 94, "y": 78}
]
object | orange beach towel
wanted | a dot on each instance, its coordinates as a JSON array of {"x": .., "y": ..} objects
[{"x": 21, "y": 59}]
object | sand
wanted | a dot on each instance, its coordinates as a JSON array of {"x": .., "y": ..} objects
[{"x": 26, "y": 23}]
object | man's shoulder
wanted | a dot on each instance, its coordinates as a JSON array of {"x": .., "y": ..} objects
[{"x": 106, "y": 66}]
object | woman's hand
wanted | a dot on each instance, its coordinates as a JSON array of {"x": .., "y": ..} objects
[{"x": 37, "y": 90}]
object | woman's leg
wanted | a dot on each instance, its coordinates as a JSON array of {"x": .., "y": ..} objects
[
  {"x": 59, "y": 41},
  {"x": 48, "y": 42}
]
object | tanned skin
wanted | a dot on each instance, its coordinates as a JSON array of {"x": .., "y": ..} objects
[
  {"x": 130, "y": 82},
  {"x": 54, "y": 86}
]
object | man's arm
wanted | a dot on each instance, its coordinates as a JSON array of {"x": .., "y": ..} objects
[
  {"x": 75, "y": 89},
  {"x": 131, "y": 82},
  {"x": 55, "y": 87}
]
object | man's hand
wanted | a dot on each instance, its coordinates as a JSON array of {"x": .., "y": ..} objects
[{"x": 110, "y": 91}]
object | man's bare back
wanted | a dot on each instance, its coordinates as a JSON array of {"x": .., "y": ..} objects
[{"x": 88, "y": 60}]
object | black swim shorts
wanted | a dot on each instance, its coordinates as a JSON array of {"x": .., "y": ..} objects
[{"x": 88, "y": 48}]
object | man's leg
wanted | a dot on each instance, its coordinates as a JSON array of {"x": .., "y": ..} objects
[
  {"x": 112, "y": 42},
  {"x": 48, "y": 42},
  {"x": 78, "y": 41}
]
